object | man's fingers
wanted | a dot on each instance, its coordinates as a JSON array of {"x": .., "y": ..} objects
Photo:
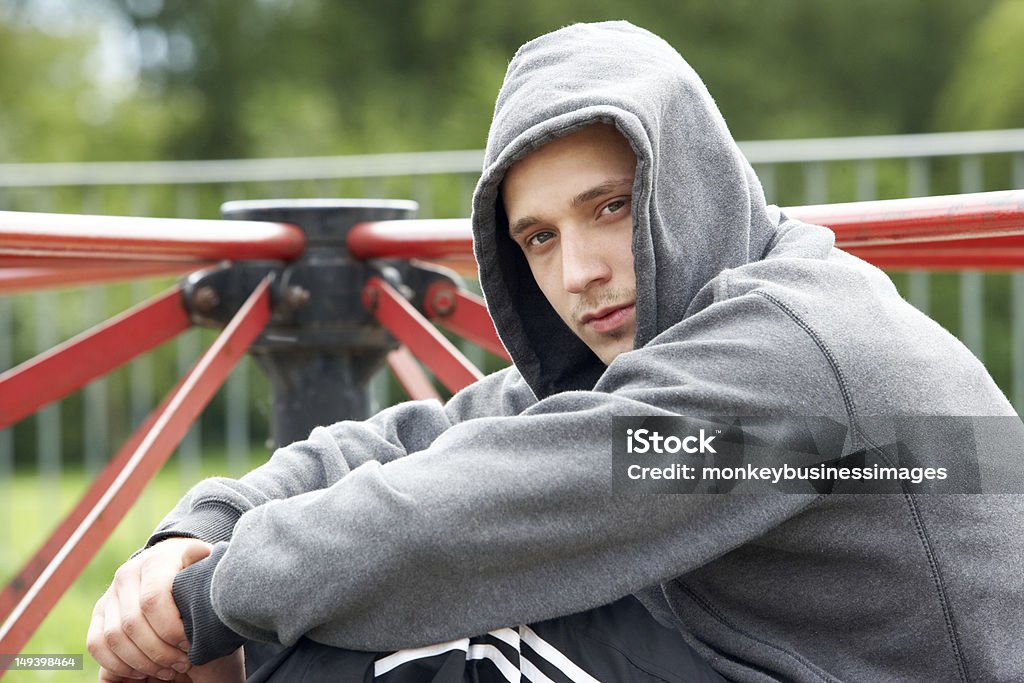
[
  {"x": 157, "y": 607},
  {"x": 136, "y": 629},
  {"x": 107, "y": 676},
  {"x": 118, "y": 644},
  {"x": 160, "y": 633},
  {"x": 156, "y": 602},
  {"x": 111, "y": 677},
  {"x": 130, "y": 636},
  {"x": 159, "y": 567},
  {"x": 112, "y": 668},
  {"x": 194, "y": 551},
  {"x": 160, "y": 564}
]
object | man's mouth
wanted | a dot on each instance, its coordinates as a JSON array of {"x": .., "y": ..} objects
[{"x": 608, "y": 318}]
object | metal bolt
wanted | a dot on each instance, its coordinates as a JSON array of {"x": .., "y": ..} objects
[
  {"x": 443, "y": 302},
  {"x": 296, "y": 297},
  {"x": 205, "y": 300}
]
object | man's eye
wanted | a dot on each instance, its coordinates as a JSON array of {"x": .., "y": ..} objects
[
  {"x": 614, "y": 206},
  {"x": 538, "y": 238}
]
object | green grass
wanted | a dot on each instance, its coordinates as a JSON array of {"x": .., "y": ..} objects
[{"x": 31, "y": 507}]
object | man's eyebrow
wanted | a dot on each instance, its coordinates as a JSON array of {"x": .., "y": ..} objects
[
  {"x": 521, "y": 225},
  {"x": 599, "y": 190}
]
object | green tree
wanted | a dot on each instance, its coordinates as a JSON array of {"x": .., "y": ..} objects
[
  {"x": 320, "y": 77},
  {"x": 52, "y": 108},
  {"x": 986, "y": 90}
]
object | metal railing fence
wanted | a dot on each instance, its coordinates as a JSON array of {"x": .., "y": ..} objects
[{"x": 985, "y": 310}]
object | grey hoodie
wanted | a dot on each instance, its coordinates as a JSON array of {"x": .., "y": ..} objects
[{"x": 429, "y": 522}]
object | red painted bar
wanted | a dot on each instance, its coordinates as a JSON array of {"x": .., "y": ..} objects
[
  {"x": 935, "y": 258},
  {"x": 423, "y": 239},
  {"x": 13, "y": 262},
  {"x": 875, "y": 223},
  {"x": 142, "y": 239},
  {"x": 410, "y": 375},
  {"x": 463, "y": 265},
  {"x": 18, "y": 280},
  {"x": 464, "y": 314},
  {"x": 56, "y": 373},
  {"x": 149, "y": 447},
  {"x": 409, "y": 326},
  {"x": 920, "y": 219}
]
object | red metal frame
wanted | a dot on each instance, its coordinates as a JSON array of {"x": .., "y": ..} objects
[
  {"x": 431, "y": 239},
  {"x": 882, "y": 226},
  {"x": 149, "y": 449},
  {"x": 69, "y": 366},
  {"x": 465, "y": 314},
  {"x": 409, "y": 326},
  {"x": 71, "y": 261},
  {"x": 145, "y": 239},
  {"x": 922, "y": 219},
  {"x": 410, "y": 375},
  {"x": 17, "y": 280},
  {"x": 934, "y": 258}
]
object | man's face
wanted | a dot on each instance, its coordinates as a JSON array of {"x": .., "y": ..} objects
[{"x": 569, "y": 210}]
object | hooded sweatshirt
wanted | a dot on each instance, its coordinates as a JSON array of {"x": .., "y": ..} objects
[{"x": 432, "y": 522}]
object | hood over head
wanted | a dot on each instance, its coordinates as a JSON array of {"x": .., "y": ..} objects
[{"x": 698, "y": 207}]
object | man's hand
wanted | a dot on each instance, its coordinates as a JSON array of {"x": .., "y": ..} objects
[
  {"x": 230, "y": 669},
  {"x": 136, "y": 630}
]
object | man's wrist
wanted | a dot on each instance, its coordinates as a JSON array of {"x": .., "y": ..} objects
[{"x": 208, "y": 636}]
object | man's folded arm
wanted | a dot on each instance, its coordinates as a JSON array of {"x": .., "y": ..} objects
[
  {"x": 210, "y": 509},
  {"x": 492, "y": 526}
]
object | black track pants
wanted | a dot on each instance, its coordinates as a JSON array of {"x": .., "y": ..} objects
[{"x": 617, "y": 642}]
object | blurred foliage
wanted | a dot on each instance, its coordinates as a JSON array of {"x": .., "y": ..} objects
[
  {"x": 986, "y": 89},
  {"x": 227, "y": 79},
  {"x": 51, "y": 110}
]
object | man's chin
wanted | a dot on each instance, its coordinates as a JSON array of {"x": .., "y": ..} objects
[{"x": 611, "y": 346}]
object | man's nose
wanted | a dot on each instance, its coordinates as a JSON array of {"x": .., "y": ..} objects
[{"x": 582, "y": 265}]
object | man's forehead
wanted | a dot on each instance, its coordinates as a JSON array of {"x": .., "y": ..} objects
[
  {"x": 574, "y": 163},
  {"x": 594, "y": 136}
]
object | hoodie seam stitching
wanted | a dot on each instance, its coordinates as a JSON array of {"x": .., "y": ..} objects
[
  {"x": 833, "y": 362},
  {"x": 936, "y": 576},
  {"x": 710, "y": 609}
]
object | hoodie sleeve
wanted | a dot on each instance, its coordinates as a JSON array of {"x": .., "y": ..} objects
[
  {"x": 211, "y": 508},
  {"x": 510, "y": 519}
]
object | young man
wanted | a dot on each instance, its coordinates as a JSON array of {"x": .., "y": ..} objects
[{"x": 632, "y": 268}]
